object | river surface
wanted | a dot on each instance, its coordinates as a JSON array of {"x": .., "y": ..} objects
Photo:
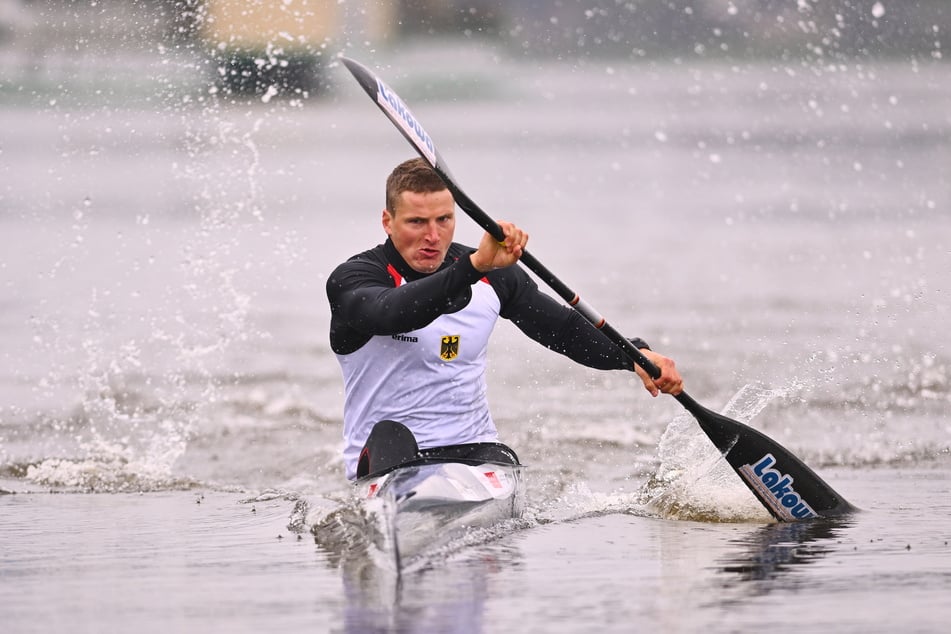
[{"x": 170, "y": 411}]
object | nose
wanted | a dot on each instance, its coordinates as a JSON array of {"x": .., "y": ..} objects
[{"x": 432, "y": 232}]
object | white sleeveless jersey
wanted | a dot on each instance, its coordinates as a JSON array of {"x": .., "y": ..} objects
[{"x": 432, "y": 380}]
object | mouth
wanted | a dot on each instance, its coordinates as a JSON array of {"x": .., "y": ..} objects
[{"x": 428, "y": 260}]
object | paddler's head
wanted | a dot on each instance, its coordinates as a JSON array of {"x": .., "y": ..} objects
[{"x": 420, "y": 215}]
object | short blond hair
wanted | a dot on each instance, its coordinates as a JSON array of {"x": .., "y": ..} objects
[{"x": 413, "y": 175}]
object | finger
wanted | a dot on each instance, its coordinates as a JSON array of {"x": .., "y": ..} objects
[
  {"x": 507, "y": 236},
  {"x": 512, "y": 234},
  {"x": 648, "y": 382},
  {"x": 651, "y": 387},
  {"x": 674, "y": 386}
]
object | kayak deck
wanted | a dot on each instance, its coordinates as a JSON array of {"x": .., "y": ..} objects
[{"x": 425, "y": 505}]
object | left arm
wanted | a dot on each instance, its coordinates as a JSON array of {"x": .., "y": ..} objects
[
  {"x": 564, "y": 330},
  {"x": 554, "y": 325}
]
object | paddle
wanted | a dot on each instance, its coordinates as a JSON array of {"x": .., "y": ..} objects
[{"x": 788, "y": 488}]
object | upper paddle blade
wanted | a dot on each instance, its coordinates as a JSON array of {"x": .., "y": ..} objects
[
  {"x": 395, "y": 110},
  {"x": 785, "y": 485}
]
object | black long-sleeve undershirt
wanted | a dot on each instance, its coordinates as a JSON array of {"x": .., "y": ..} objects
[{"x": 365, "y": 302}]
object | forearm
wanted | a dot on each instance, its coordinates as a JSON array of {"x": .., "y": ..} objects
[
  {"x": 367, "y": 301},
  {"x": 564, "y": 330}
]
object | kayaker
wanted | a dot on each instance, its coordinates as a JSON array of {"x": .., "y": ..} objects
[{"x": 410, "y": 325}]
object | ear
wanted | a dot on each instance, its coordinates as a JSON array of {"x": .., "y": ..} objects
[{"x": 387, "y": 222}]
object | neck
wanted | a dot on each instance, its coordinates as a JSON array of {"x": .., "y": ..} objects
[{"x": 404, "y": 269}]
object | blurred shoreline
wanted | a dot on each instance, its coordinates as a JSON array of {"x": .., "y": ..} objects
[{"x": 160, "y": 51}]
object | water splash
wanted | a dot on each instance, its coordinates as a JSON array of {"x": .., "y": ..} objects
[
  {"x": 578, "y": 501},
  {"x": 693, "y": 481}
]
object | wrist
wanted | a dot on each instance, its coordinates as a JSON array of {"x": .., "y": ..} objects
[
  {"x": 639, "y": 343},
  {"x": 477, "y": 265}
]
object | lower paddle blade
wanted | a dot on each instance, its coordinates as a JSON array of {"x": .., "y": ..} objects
[{"x": 783, "y": 483}]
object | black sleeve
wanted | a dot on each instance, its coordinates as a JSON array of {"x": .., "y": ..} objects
[
  {"x": 364, "y": 301},
  {"x": 555, "y": 325}
]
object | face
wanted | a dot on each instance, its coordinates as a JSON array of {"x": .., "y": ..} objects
[{"x": 422, "y": 227}]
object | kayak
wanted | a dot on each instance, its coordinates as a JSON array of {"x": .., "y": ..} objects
[{"x": 427, "y": 504}]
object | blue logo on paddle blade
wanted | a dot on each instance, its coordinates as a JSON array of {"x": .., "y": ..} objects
[
  {"x": 776, "y": 490},
  {"x": 405, "y": 121}
]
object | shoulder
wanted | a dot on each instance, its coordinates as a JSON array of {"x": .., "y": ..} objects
[
  {"x": 371, "y": 257},
  {"x": 368, "y": 266}
]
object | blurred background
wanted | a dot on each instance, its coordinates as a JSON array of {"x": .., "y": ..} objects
[{"x": 271, "y": 47}]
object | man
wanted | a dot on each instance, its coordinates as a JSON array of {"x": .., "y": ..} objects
[{"x": 410, "y": 324}]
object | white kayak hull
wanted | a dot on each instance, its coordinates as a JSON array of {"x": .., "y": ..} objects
[{"x": 426, "y": 506}]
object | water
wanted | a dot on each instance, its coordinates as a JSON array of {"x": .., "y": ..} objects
[{"x": 170, "y": 411}]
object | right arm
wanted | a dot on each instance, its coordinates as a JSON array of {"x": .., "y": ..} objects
[{"x": 364, "y": 301}]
